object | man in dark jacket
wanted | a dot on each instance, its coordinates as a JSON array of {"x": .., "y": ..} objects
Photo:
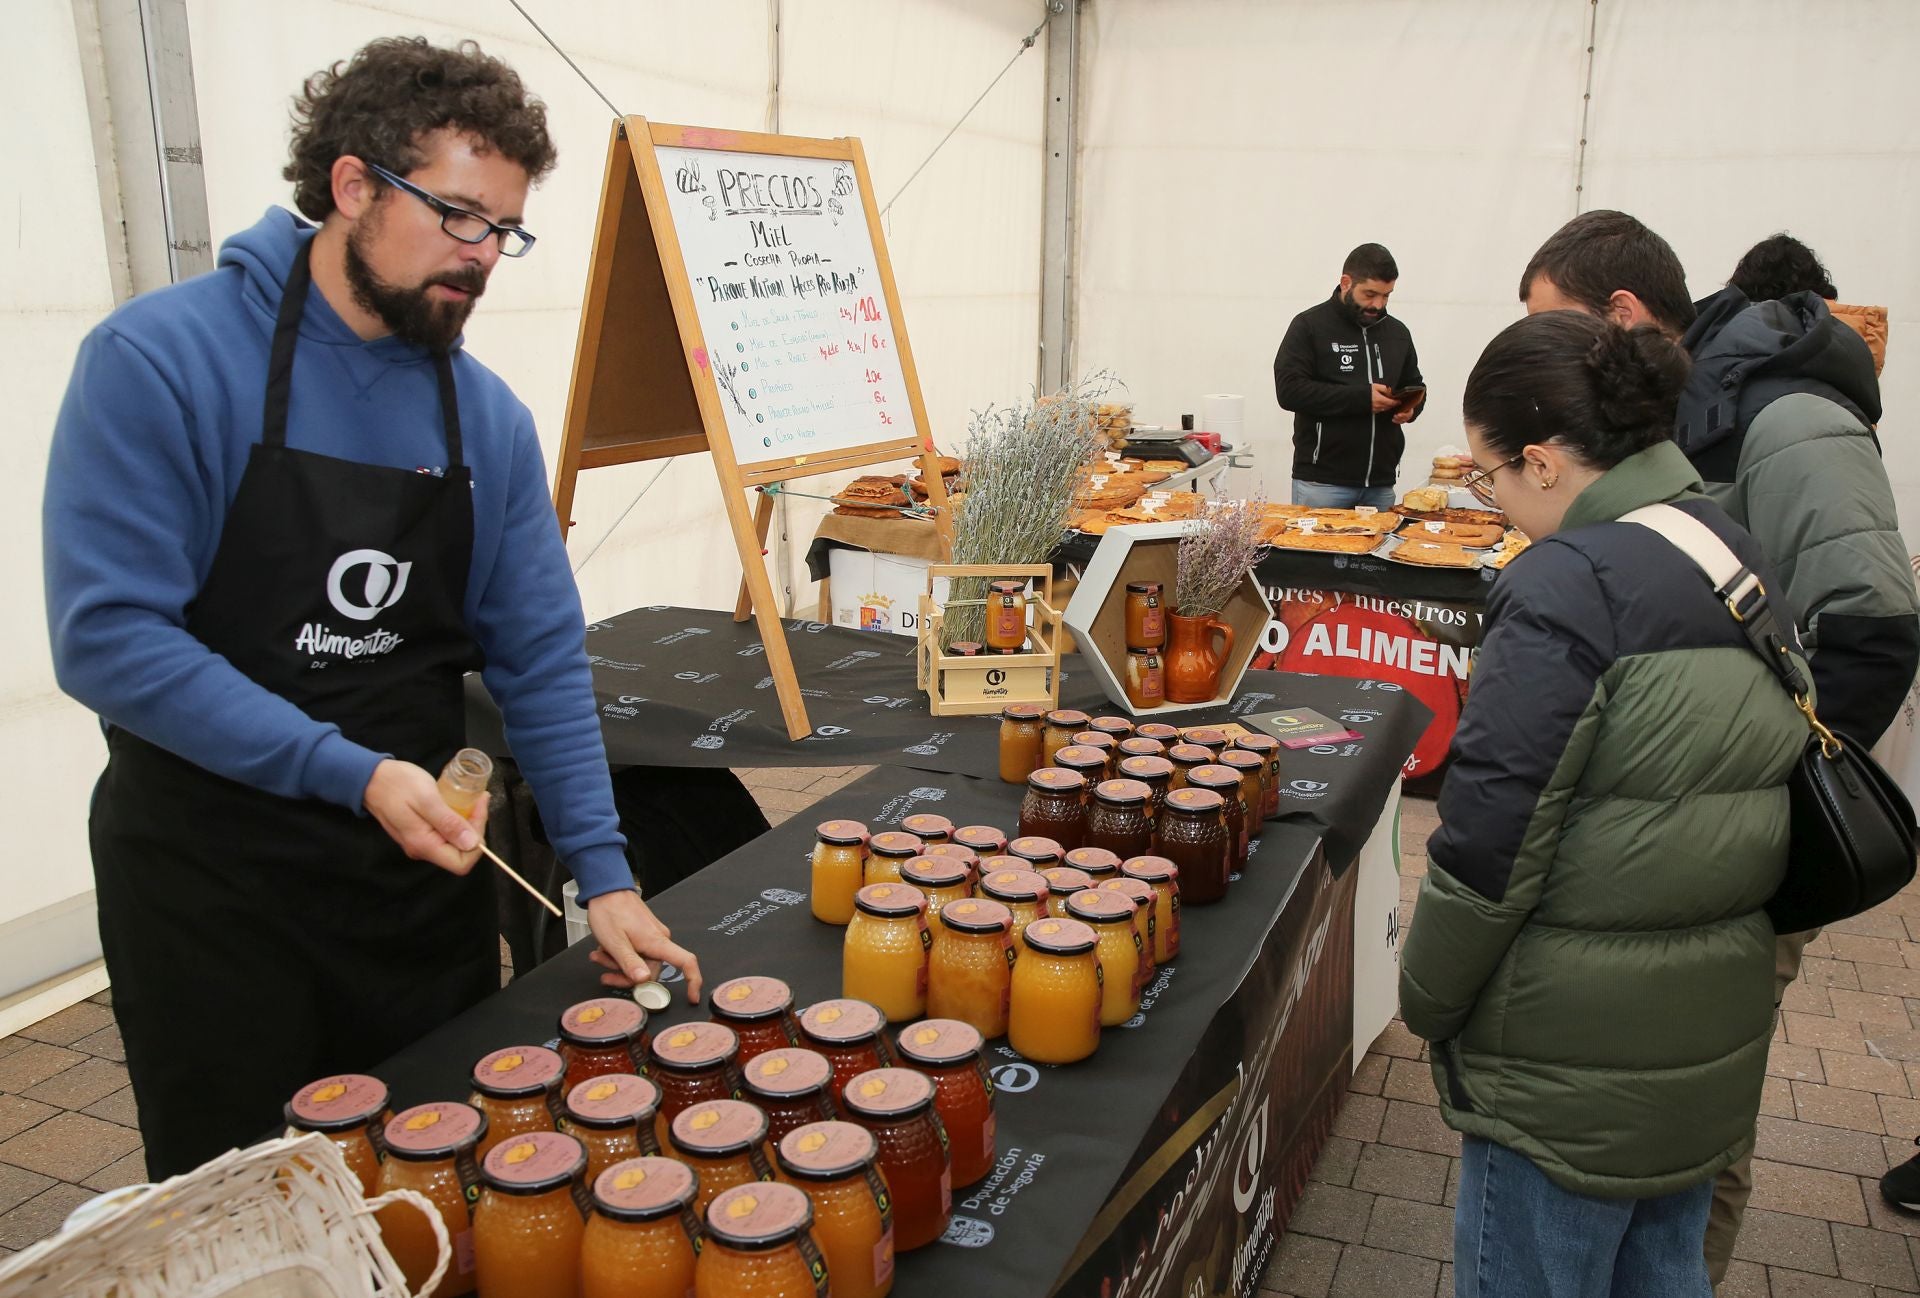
[
  {"x": 1348, "y": 372},
  {"x": 1776, "y": 420}
]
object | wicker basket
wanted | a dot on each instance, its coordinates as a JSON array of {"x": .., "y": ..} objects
[{"x": 285, "y": 1218}]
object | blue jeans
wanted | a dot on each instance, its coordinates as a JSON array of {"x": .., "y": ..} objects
[
  {"x": 1516, "y": 1234},
  {"x": 1324, "y": 495}
]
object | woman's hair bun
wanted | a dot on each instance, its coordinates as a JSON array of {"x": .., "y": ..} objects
[{"x": 1637, "y": 376}]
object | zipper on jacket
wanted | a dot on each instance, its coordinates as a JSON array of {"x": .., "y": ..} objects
[
  {"x": 1373, "y": 416},
  {"x": 1319, "y": 434},
  {"x": 1450, "y": 1062}
]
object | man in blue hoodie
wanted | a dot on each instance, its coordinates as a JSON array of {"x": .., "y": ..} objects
[{"x": 285, "y": 512}]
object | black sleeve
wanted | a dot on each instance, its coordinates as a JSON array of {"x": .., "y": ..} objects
[
  {"x": 1299, "y": 391},
  {"x": 1410, "y": 378},
  {"x": 1862, "y": 671}
]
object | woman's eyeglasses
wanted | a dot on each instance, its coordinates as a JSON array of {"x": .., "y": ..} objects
[{"x": 1480, "y": 481}]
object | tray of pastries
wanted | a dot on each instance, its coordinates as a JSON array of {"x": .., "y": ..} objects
[
  {"x": 1475, "y": 536},
  {"x": 1281, "y": 538},
  {"x": 1428, "y": 554},
  {"x": 1301, "y": 518},
  {"x": 873, "y": 496}
]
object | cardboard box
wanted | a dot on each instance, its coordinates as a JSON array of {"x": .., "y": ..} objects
[
  {"x": 1097, "y": 614},
  {"x": 870, "y": 591}
]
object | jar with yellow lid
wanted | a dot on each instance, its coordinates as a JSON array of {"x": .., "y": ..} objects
[
  {"x": 847, "y": 1034},
  {"x": 948, "y": 1052},
  {"x": 1037, "y": 850},
  {"x": 1145, "y": 903},
  {"x": 725, "y": 1143},
  {"x": 1062, "y": 725},
  {"x": 1062, "y": 882},
  {"x": 759, "y": 1244},
  {"x": 1052, "y": 807},
  {"x": 940, "y": 879},
  {"x": 430, "y": 1150},
  {"x": 601, "y": 1037},
  {"x": 1163, "y": 876},
  {"x": 896, "y": 1105},
  {"x": 519, "y": 1089},
  {"x": 612, "y": 1118},
  {"x": 984, "y": 840},
  {"x": 836, "y": 1163},
  {"x": 1267, "y": 748},
  {"x": 1023, "y": 892},
  {"x": 1111, "y": 917},
  {"x": 887, "y": 852},
  {"x": 928, "y": 828},
  {"x": 1022, "y": 740},
  {"x": 528, "y": 1225},
  {"x": 884, "y": 959},
  {"x": 643, "y": 1237},
  {"x": 839, "y": 869},
  {"x": 692, "y": 1063},
  {"x": 1054, "y": 1017},
  {"x": 792, "y": 1087},
  {"x": 759, "y": 1009},
  {"x": 971, "y": 967},
  {"x": 349, "y": 1109}
]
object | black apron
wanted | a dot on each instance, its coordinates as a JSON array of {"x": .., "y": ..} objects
[{"x": 256, "y": 942}]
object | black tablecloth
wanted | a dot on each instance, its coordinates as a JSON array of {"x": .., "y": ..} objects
[
  {"x": 1360, "y": 573},
  {"x": 1066, "y": 1135},
  {"x": 688, "y": 687}
]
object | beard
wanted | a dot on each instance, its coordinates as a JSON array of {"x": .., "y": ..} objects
[
  {"x": 1366, "y": 315},
  {"x": 411, "y": 314}
]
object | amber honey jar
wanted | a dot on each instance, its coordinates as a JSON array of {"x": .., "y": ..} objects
[
  {"x": 1252, "y": 770},
  {"x": 792, "y": 1087},
  {"x": 1146, "y": 619},
  {"x": 430, "y": 1150},
  {"x": 1146, "y": 679},
  {"x": 1232, "y": 788},
  {"x": 839, "y": 869},
  {"x": 643, "y": 1237},
  {"x": 1022, "y": 740},
  {"x": 971, "y": 967},
  {"x": 1099, "y": 739},
  {"x": 1052, "y": 807},
  {"x": 1157, "y": 774},
  {"x": 941, "y": 879},
  {"x": 1139, "y": 746},
  {"x": 949, "y": 1053},
  {"x": 1194, "y": 837},
  {"x": 1267, "y": 748},
  {"x": 759, "y": 1244},
  {"x": 692, "y": 1062},
  {"x": 1022, "y": 891},
  {"x": 760, "y": 1012},
  {"x": 1055, "y": 1014},
  {"x": 928, "y": 828},
  {"x": 1118, "y": 727},
  {"x": 1117, "y": 819},
  {"x": 519, "y": 1089},
  {"x": 836, "y": 1163},
  {"x": 1146, "y": 904},
  {"x": 1037, "y": 850},
  {"x": 350, "y": 1110},
  {"x": 985, "y": 840},
  {"x": 1110, "y": 915},
  {"x": 1211, "y": 738},
  {"x": 724, "y": 1142},
  {"x": 1062, "y": 882},
  {"x": 887, "y": 852},
  {"x": 612, "y": 1118},
  {"x": 1163, "y": 876},
  {"x": 528, "y": 1225},
  {"x": 1159, "y": 731},
  {"x": 884, "y": 958},
  {"x": 955, "y": 852},
  {"x": 896, "y": 1105},
  {"x": 1185, "y": 758},
  {"x": 847, "y": 1034},
  {"x": 1006, "y": 617},
  {"x": 603, "y": 1036},
  {"x": 1087, "y": 761},
  {"x": 1096, "y": 863}
]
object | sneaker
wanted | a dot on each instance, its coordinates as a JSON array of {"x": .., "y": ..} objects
[{"x": 1901, "y": 1186}]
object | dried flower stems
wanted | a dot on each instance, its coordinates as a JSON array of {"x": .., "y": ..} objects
[{"x": 1215, "y": 555}]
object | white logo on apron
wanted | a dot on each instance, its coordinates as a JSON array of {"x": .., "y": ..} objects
[{"x": 386, "y": 583}]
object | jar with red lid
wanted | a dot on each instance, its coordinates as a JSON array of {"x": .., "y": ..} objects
[
  {"x": 1037, "y": 850},
  {"x": 949, "y": 1052},
  {"x": 1062, "y": 882},
  {"x": 1157, "y": 730},
  {"x": 349, "y": 1109},
  {"x": 692, "y": 1063},
  {"x": 1055, "y": 1015},
  {"x": 1163, "y": 876},
  {"x": 1117, "y": 819},
  {"x": 955, "y": 852},
  {"x": 528, "y": 1225},
  {"x": 839, "y": 869},
  {"x": 603, "y": 1036},
  {"x": 724, "y": 1142},
  {"x": 1145, "y": 903},
  {"x": 966, "y": 648},
  {"x": 1118, "y": 727},
  {"x": 1186, "y": 758},
  {"x": 760, "y": 1012},
  {"x": 847, "y": 1033},
  {"x": 792, "y": 1086},
  {"x": 1146, "y": 619},
  {"x": 1062, "y": 725},
  {"x": 1211, "y": 738},
  {"x": 837, "y": 1164},
  {"x": 1096, "y": 863},
  {"x": 887, "y": 852},
  {"x": 928, "y": 828},
  {"x": 1267, "y": 748},
  {"x": 1193, "y": 835},
  {"x": 1157, "y": 774},
  {"x": 759, "y": 1244},
  {"x": 1146, "y": 678},
  {"x": 612, "y": 1117},
  {"x": 1229, "y": 784},
  {"x": 1022, "y": 891},
  {"x": 1051, "y": 808},
  {"x": 431, "y": 1151},
  {"x": 985, "y": 840},
  {"x": 884, "y": 958},
  {"x": 1251, "y": 768},
  {"x": 1006, "y": 617},
  {"x": 1118, "y": 947},
  {"x": 1022, "y": 740},
  {"x": 896, "y": 1105},
  {"x": 1140, "y": 746},
  {"x": 972, "y": 965},
  {"x": 643, "y": 1237},
  {"x": 1090, "y": 764},
  {"x": 519, "y": 1089},
  {"x": 941, "y": 879}
]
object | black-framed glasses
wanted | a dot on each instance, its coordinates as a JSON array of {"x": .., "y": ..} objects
[
  {"x": 1480, "y": 481},
  {"x": 467, "y": 227}
]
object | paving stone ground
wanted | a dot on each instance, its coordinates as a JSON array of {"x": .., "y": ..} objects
[{"x": 1842, "y": 1104}]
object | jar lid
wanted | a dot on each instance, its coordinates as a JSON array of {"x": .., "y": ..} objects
[
  {"x": 935, "y": 872},
  {"x": 1118, "y": 727},
  {"x": 1143, "y": 588},
  {"x": 1213, "y": 776},
  {"x": 1057, "y": 779},
  {"x": 429, "y": 1132},
  {"x": 1035, "y": 849},
  {"x": 614, "y": 1100},
  {"x": 976, "y": 915},
  {"x": 1079, "y": 757},
  {"x": 1022, "y": 712},
  {"x": 1063, "y": 879},
  {"x": 533, "y": 1163},
  {"x": 788, "y": 1071},
  {"x": 1256, "y": 743},
  {"x": 596, "y": 1022},
  {"x": 826, "y": 1151},
  {"x": 1121, "y": 793},
  {"x": 1197, "y": 800},
  {"x": 1097, "y": 907},
  {"x": 939, "y": 1043},
  {"x": 1094, "y": 861},
  {"x": 514, "y": 1071},
  {"x": 842, "y": 833},
  {"x": 1138, "y": 747},
  {"x": 1207, "y": 736},
  {"x": 1141, "y": 892},
  {"x": 1097, "y": 739},
  {"x": 984, "y": 839},
  {"x": 954, "y": 852},
  {"x": 1160, "y": 730},
  {"x": 1150, "y": 869},
  {"x": 1014, "y": 885},
  {"x": 1189, "y": 754},
  {"x": 1068, "y": 717},
  {"x": 717, "y": 1129},
  {"x": 965, "y": 648},
  {"x": 841, "y": 1022},
  {"x": 890, "y": 900},
  {"x": 895, "y": 843},
  {"x": 759, "y": 1216},
  {"x": 1007, "y": 587},
  {"x": 888, "y": 1093},
  {"x": 930, "y": 828},
  {"x": 1146, "y": 653},
  {"x": 1059, "y": 936},
  {"x": 1146, "y": 768},
  {"x": 1241, "y": 759},
  {"x": 748, "y": 1000},
  {"x": 642, "y": 1189},
  {"x": 694, "y": 1047},
  {"x": 337, "y": 1103}
]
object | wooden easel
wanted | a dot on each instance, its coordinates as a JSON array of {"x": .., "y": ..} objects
[{"x": 645, "y": 385}]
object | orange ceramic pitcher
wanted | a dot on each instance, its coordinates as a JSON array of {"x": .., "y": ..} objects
[{"x": 1193, "y": 666}]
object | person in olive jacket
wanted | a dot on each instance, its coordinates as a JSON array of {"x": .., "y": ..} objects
[
  {"x": 1589, "y": 954},
  {"x": 1348, "y": 372}
]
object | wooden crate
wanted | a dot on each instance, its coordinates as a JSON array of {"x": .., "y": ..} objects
[{"x": 959, "y": 686}]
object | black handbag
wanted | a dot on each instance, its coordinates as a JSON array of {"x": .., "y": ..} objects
[{"x": 1852, "y": 841}]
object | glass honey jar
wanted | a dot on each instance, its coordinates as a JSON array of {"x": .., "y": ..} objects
[
  {"x": 519, "y": 1089},
  {"x": 1104, "y": 743},
  {"x": 1023, "y": 892},
  {"x": 792, "y": 1087},
  {"x": 1117, "y": 819},
  {"x": 837, "y": 1164},
  {"x": 1089, "y": 763},
  {"x": 940, "y": 879},
  {"x": 1193, "y": 835},
  {"x": 884, "y": 959},
  {"x": 1158, "y": 731},
  {"x": 839, "y": 869},
  {"x": 1054, "y": 1017},
  {"x": 1052, "y": 808},
  {"x": 1163, "y": 876},
  {"x": 1146, "y": 619},
  {"x": 1186, "y": 758},
  {"x": 1118, "y": 946},
  {"x": 1145, "y": 904},
  {"x": 643, "y": 1237},
  {"x": 928, "y": 828},
  {"x": 1140, "y": 746},
  {"x": 612, "y": 1118},
  {"x": 949, "y": 1053},
  {"x": 1037, "y": 850},
  {"x": 985, "y": 840},
  {"x": 759, "y": 1244},
  {"x": 430, "y": 1150},
  {"x": 887, "y": 852},
  {"x": 1006, "y": 617},
  {"x": 692, "y": 1063},
  {"x": 896, "y": 1105},
  {"x": 1252, "y": 769},
  {"x": 1062, "y": 882},
  {"x": 528, "y": 1225},
  {"x": 1118, "y": 727},
  {"x": 1062, "y": 725},
  {"x": 1096, "y": 863},
  {"x": 1157, "y": 774},
  {"x": 350, "y": 1110},
  {"x": 760, "y": 1012},
  {"x": 1022, "y": 740},
  {"x": 1211, "y": 738},
  {"x": 1267, "y": 748},
  {"x": 603, "y": 1036},
  {"x": 1231, "y": 786},
  {"x": 1146, "y": 679},
  {"x": 955, "y": 852},
  {"x": 847, "y": 1034},
  {"x": 724, "y": 1142},
  {"x": 970, "y": 970}
]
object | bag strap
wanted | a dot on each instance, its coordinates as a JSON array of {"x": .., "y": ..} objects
[{"x": 1740, "y": 589}]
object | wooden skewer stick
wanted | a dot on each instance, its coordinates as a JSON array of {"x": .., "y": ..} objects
[{"x": 514, "y": 875}]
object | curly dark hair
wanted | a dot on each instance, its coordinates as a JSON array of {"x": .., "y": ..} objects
[
  {"x": 1778, "y": 265},
  {"x": 379, "y": 104}
]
